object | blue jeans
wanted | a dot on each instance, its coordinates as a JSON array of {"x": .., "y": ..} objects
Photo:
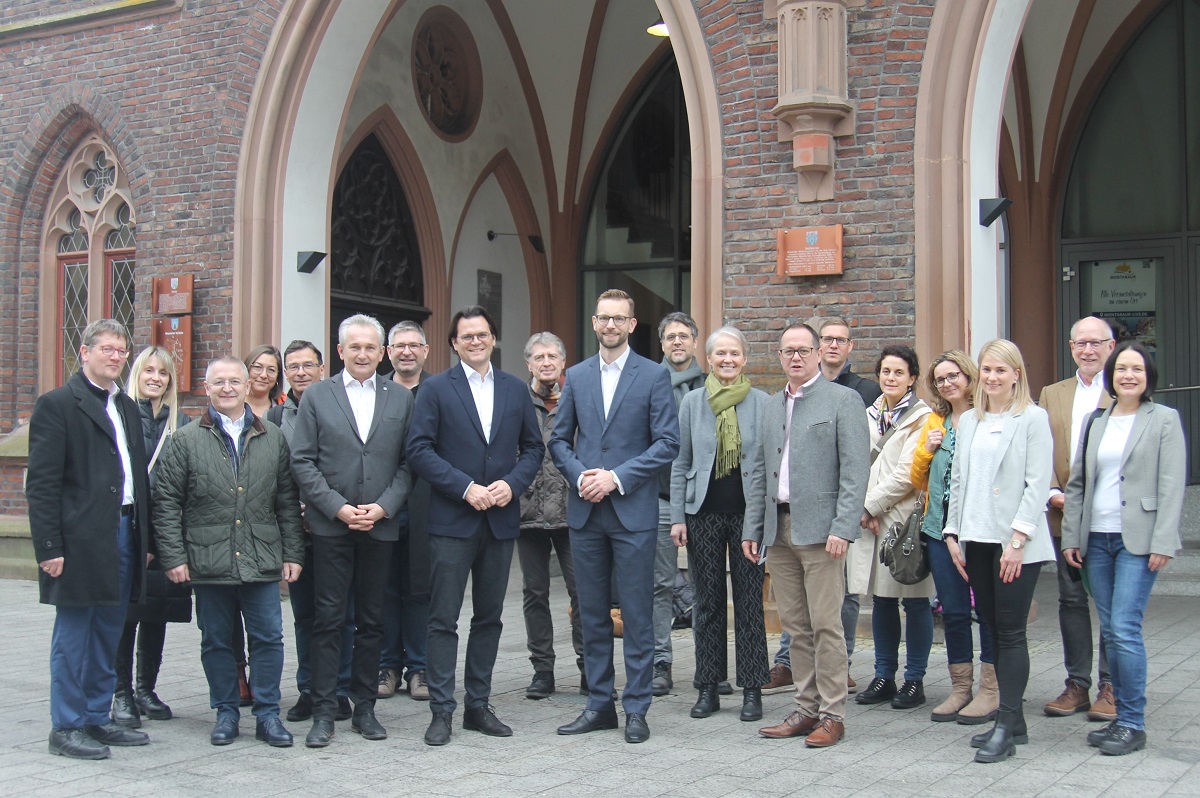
[
  {"x": 216, "y": 608},
  {"x": 885, "y": 628},
  {"x": 302, "y": 596},
  {"x": 1121, "y": 584},
  {"x": 955, "y": 595}
]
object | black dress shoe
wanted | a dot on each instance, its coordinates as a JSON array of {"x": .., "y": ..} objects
[
  {"x": 112, "y": 734},
  {"x": 636, "y": 730},
  {"x": 1123, "y": 740},
  {"x": 542, "y": 685},
  {"x": 751, "y": 704},
  {"x": 878, "y": 691},
  {"x": 224, "y": 731},
  {"x": 483, "y": 719},
  {"x": 344, "y": 710},
  {"x": 364, "y": 723},
  {"x": 438, "y": 732},
  {"x": 75, "y": 744},
  {"x": 271, "y": 731},
  {"x": 303, "y": 708},
  {"x": 150, "y": 705},
  {"x": 320, "y": 735},
  {"x": 124, "y": 710},
  {"x": 591, "y": 720},
  {"x": 910, "y": 695},
  {"x": 707, "y": 703},
  {"x": 1094, "y": 738}
]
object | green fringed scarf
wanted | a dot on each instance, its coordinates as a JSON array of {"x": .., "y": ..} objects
[{"x": 723, "y": 399}]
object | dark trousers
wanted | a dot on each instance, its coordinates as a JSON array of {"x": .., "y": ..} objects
[
  {"x": 83, "y": 647},
  {"x": 534, "y": 548},
  {"x": 257, "y": 605},
  {"x": 150, "y": 639},
  {"x": 604, "y": 549},
  {"x": 452, "y": 561},
  {"x": 1005, "y": 607},
  {"x": 341, "y": 561},
  {"x": 302, "y": 596},
  {"x": 713, "y": 537},
  {"x": 1075, "y": 624},
  {"x": 405, "y": 614}
]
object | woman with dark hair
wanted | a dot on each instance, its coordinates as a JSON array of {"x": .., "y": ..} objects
[
  {"x": 896, "y": 419},
  {"x": 265, "y": 365},
  {"x": 951, "y": 383},
  {"x": 1121, "y": 523}
]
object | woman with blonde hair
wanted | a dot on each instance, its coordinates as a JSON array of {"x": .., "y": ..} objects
[
  {"x": 951, "y": 382},
  {"x": 996, "y": 530},
  {"x": 153, "y": 384}
]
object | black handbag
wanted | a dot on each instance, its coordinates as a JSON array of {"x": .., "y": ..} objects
[{"x": 903, "y": 551}]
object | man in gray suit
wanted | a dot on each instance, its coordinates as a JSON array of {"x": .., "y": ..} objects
[
  {"x": 348, "y": 458},
  {"x": 809, "y": 482}
]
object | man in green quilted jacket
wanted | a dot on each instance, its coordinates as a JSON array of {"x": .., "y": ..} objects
[{"x": 227, "y": 521}]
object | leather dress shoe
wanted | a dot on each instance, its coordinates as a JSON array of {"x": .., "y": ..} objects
[
  {"x": 794, "y": 725},
  {"x": 591, "y": 720},
  {"x": 320, "y": 735},
  {"x": 74, "y": 743},
  {"x": 438, "y": 732},
  {"x": 112, "y": 734},
  {"x": 1123, "y": 740},
  {"x": 125, "y": 710},
  {"x": 418, "y": 686},
  {"x": 303, "y": 708},
  {"x": 344, "y": 710},
  {"x": 364, "y": 723},
  {"x": 150, "y": 705},
  {"x": 827, "y": 733},
  {"x": 1094, "y": 738},
  {"x": 878, "y": 691},
  {"x": 636, "y": 730},
  {"x": 272, "y": 732},
  {"x": 483, "y": 719},
  {"x": 224, "y": 731}
]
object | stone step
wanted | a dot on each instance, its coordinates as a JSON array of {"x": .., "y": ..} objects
[{"x": 1189, "y": 524}]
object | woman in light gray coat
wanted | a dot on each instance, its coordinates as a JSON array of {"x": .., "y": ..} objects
[
  {"x": 1122, "y": 509},
  {"x": 718, "y": 428}
]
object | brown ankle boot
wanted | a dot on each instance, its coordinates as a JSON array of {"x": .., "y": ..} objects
[
  {"x": 961, "y": 679},
  {"x": 985, "y": 703}
]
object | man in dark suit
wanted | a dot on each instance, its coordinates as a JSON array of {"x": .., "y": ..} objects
[
  {"x": 349, "y": 463},
  {"x": 617, "y": 428},
  {"x": 475, "y": 440},
  {"x": 89, "y": 518}
]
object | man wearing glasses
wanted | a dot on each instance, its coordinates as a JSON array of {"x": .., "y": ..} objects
[
  {"x": 1069, "y": 403},
  {"x": 808, "y": 485},
  {"x": 89, "y": 518},
  {"x": 475, "y": 440}
]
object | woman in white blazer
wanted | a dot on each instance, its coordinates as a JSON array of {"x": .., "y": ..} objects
[
  {"x": 895, "y": 419},
  {"x": 1123, "y": 504},
  {"x": 718, "y": 429},
  {"x": 996, "y": 528}
]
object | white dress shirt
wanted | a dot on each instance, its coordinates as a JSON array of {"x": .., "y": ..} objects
[
  {"x": 362, "y": 402},
  {"x": 1087, "y": 399},
  {"x": 483, "y": 389},
  {"x": 122, "y": 441},
  {"x": 610, "y": 375},
  {"x": 783, "y": 493}
]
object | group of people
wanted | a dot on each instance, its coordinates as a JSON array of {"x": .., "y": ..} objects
[{"x": 378, "y": 497}]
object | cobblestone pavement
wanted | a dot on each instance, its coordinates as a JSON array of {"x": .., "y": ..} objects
[{"x": 885, "y": 753}]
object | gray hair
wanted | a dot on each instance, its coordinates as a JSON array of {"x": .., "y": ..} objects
[
  {"x": 678, "y": 317},
  {"x": 228, "y": 360},
  {"x": 407, "y": 326},
  {"x": 545, "y": 339},
  {"x": 731, "y": 332},
  {"x": 104, "y": 327},
  {"x": 360, "y": 320}
]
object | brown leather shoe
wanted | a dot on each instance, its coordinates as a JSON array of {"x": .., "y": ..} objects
[
  {"x": 1105, "y": 705},
  {"x": 781, "y": 677},
  {"x": 851, "y": 685},
  {"x": 794, "y": 725},
  {"x": 827, "y": 733},
  {"x": 1074, "y": 699}
]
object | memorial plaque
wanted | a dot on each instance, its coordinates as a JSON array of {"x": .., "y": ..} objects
[
  {"x": 175, "y": 336},
  {"x": 173, "y": 295},
  {"x": 805, "y": 251}
]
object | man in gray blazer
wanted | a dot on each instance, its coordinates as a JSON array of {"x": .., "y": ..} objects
[
  {"x": 805, "y": 500},
  {"x": 348, "y": 458}
]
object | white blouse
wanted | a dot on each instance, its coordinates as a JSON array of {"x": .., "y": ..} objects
[
  {"x": 1106, "y": 496},
  {"x": 977, "y": 525}
]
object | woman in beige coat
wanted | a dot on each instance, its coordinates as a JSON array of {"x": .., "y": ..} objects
[{"x": 896, "y": 419}]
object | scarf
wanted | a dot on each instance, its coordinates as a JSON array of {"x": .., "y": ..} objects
[
  {"x": 723, "y": 399},
  {"x": 885, "y": 417},
  {"x": 549, "y": 394},
  {"x": 680, "y": 379}
]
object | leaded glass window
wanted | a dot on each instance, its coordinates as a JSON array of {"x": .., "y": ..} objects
[
  {"x": 77, "y": 239},
  {"x": 74, "y": 312}
]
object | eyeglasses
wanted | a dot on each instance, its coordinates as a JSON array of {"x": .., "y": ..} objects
[
  {"x": 220, "y": 384},
  {"x": 951, "y": 377},
  {"x": 292, "y": 368},
  {"x": 1090, "y": 344},
  {"x": 617, "y": 320},
  {"x": 803, "y": 352},
  {"x": 259, "y": 368},
  {"x": 407, "y": 347},
  {"x": 672, "y": 337},
  {"x": 110, "y": 351},
  {"x": 830, "y": 340},
  {"x": 471, "y": 338}
]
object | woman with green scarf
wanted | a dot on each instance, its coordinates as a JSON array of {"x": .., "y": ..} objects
[{"x": 718, "y": 428}]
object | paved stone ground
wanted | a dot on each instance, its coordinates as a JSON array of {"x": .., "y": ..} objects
[{"x": 886, "y": 752}]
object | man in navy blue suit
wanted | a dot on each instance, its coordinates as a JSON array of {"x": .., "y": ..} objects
[
  {"x": 617, "y": 429},
  {"x": 476, "y": 441}
]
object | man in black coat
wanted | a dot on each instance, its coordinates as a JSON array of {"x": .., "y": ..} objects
[{"x": 89, "y": 516}]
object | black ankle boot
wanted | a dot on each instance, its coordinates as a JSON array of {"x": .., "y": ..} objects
[
  {"x": 751, "y": 704},
  {"x": 707, "y": 703},
  {"x": 148, "y": 702},
  {"x": 1001, "y": 745},
  {"x": 1020, "y": 734},
  {"x": 124, "y": 710}
]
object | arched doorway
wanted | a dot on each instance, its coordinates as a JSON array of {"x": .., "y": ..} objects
[{"x": 1130, "y": 220}]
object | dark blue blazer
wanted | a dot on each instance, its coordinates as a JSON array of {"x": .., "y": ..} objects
[
  {"x": 639, "y": 439},
  {"x": 446, "y": 448}
]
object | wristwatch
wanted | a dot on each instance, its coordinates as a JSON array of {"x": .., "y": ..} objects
[{"x": 1018, "y": 543}]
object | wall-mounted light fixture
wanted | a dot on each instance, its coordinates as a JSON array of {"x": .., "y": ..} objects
[
  {"x": 534, "y": 241},
  {"x": 991, "y": 209},
  {"x": 659, "y": 29},
  {"x": 307, "y": 262}
]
